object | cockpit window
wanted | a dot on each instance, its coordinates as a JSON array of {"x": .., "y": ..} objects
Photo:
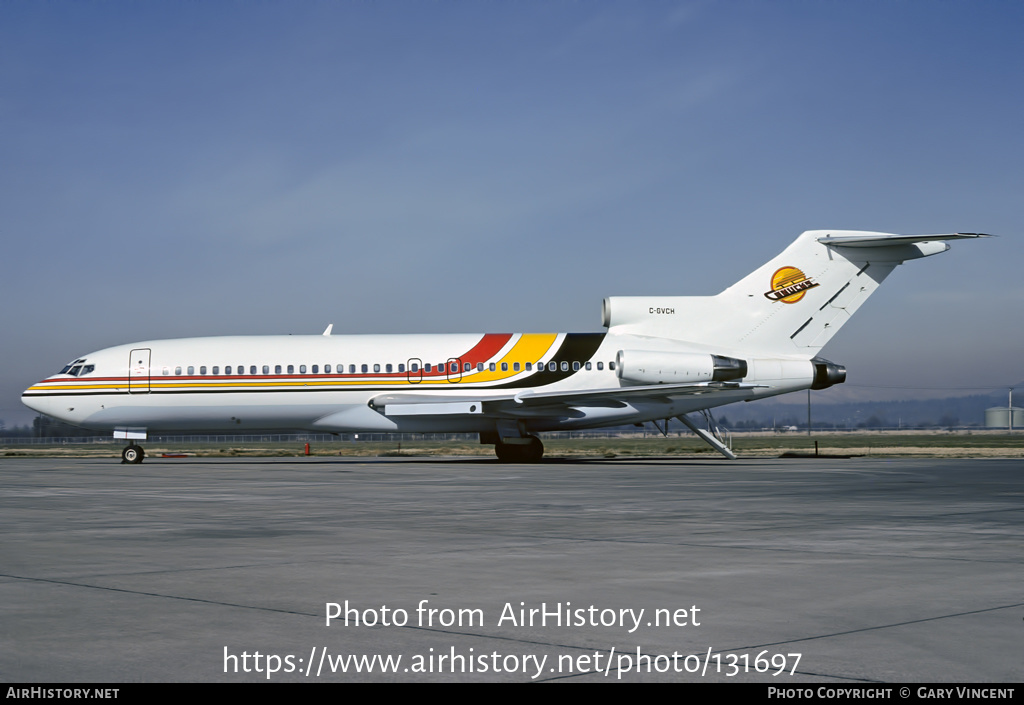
[
  {"x": 77, "y": 369},
  {"x": 68, "y": 367}
]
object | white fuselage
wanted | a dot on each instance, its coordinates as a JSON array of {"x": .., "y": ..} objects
[{"x": 327, "y": 383}]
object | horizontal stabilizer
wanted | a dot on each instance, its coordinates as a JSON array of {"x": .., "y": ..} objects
[{"x": 888, "y": 240}]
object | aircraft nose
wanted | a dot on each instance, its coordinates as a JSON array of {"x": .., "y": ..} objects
[{"x": 41, "y": 404}]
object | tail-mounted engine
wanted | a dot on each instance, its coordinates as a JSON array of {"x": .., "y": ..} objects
[
  {"x": 645, "y": 367},
  {"x": 827, "y": 373}
]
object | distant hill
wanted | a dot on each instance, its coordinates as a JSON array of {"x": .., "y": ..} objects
[{"x": 925, "y": 413}]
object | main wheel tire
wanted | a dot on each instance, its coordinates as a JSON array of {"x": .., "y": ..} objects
[
  {"x": 530, "y": 452},
  {"x": 506, "y": 453},
  {"x": 533, "y": 452},
  {"x": 132, "y": 455}
]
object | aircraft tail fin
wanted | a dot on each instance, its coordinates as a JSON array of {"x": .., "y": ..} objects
[{"x": 792, "y": 305}]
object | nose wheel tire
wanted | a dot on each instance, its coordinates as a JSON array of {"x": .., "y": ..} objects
[{"x": 132, "y": 455}]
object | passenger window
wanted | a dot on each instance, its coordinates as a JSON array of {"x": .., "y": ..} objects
[
  {"x": 167, "y": 371},
  {"x": 227, "y": 370},
  {"x": 365, "y": 368},
  {"x": 376, "y": 367},
  {"x": 202, "y": 369},
  {"x": 191, "y": 370},
  {"x": 529, "y": 366},
  {"x": 327, "y": 369},
  {"x": 492, "y": 367},
  {"x": 401, "y": 367},
  {"x": 600, "y": 365},
  {"x": 302, "y": 369},
  {"x": 588, "y": 366},
  {"x": 479, "y": 367},
  {"x": 216, "y": 369},
  {"x": 266, "y": 369},
  {"x": 351, "y": 369},
  {"x": 277, "y": 369},
  {"x": 504, "y": 367},
  {"x": 389, "y": 368},
  {"x": 565, "y": 366},
  {"x": 177, "y": 370},
  {"x": 316, "y": 369},
  {"x": 426, "y": 367},
  {"x": 575, "y": 367},
  {"x": 415, "y": 367},
  {"x": 515, "y": 366},
  {"x": 252, "y": 369},
  {"x": 552, "y": 366},
  {"x": 611, "y": 365}
]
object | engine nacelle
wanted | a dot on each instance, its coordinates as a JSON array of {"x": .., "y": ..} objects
[
  {"x": 646, "y": 367},
  {"x": 827, "y": 373}
]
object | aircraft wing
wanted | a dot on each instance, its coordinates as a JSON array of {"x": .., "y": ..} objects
[
  {"x": 540, "y": 403},
  {"x": 651, "y": 392}
]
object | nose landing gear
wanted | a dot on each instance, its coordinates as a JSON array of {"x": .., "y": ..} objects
[{"x": 132, "y": 454}]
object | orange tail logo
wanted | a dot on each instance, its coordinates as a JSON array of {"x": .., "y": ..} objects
[{"x": 789, "y": 285}]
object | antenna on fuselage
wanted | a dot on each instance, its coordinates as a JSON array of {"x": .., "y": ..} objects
[{"x": 327, "y": 331}]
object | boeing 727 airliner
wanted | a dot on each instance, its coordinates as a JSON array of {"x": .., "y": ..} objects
[{"x": 661, "y": 357}]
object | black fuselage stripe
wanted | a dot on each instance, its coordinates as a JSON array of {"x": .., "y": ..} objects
[{"x": 577, "y": 347}]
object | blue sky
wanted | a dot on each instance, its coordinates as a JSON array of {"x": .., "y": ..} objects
[{"x": 182, "y": 169}]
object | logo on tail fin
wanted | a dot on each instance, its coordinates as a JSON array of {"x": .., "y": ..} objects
[{"x": 789, "y": 285}]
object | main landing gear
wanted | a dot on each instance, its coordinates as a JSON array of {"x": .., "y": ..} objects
[
  {"x": 132, "y": 454},
  {"x": 528, "y": 450}
]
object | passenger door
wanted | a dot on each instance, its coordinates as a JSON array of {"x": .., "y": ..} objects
[{"x": 138, "y": 371}]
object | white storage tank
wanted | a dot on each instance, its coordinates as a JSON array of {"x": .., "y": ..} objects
[{"x": 999, "y": 417}]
